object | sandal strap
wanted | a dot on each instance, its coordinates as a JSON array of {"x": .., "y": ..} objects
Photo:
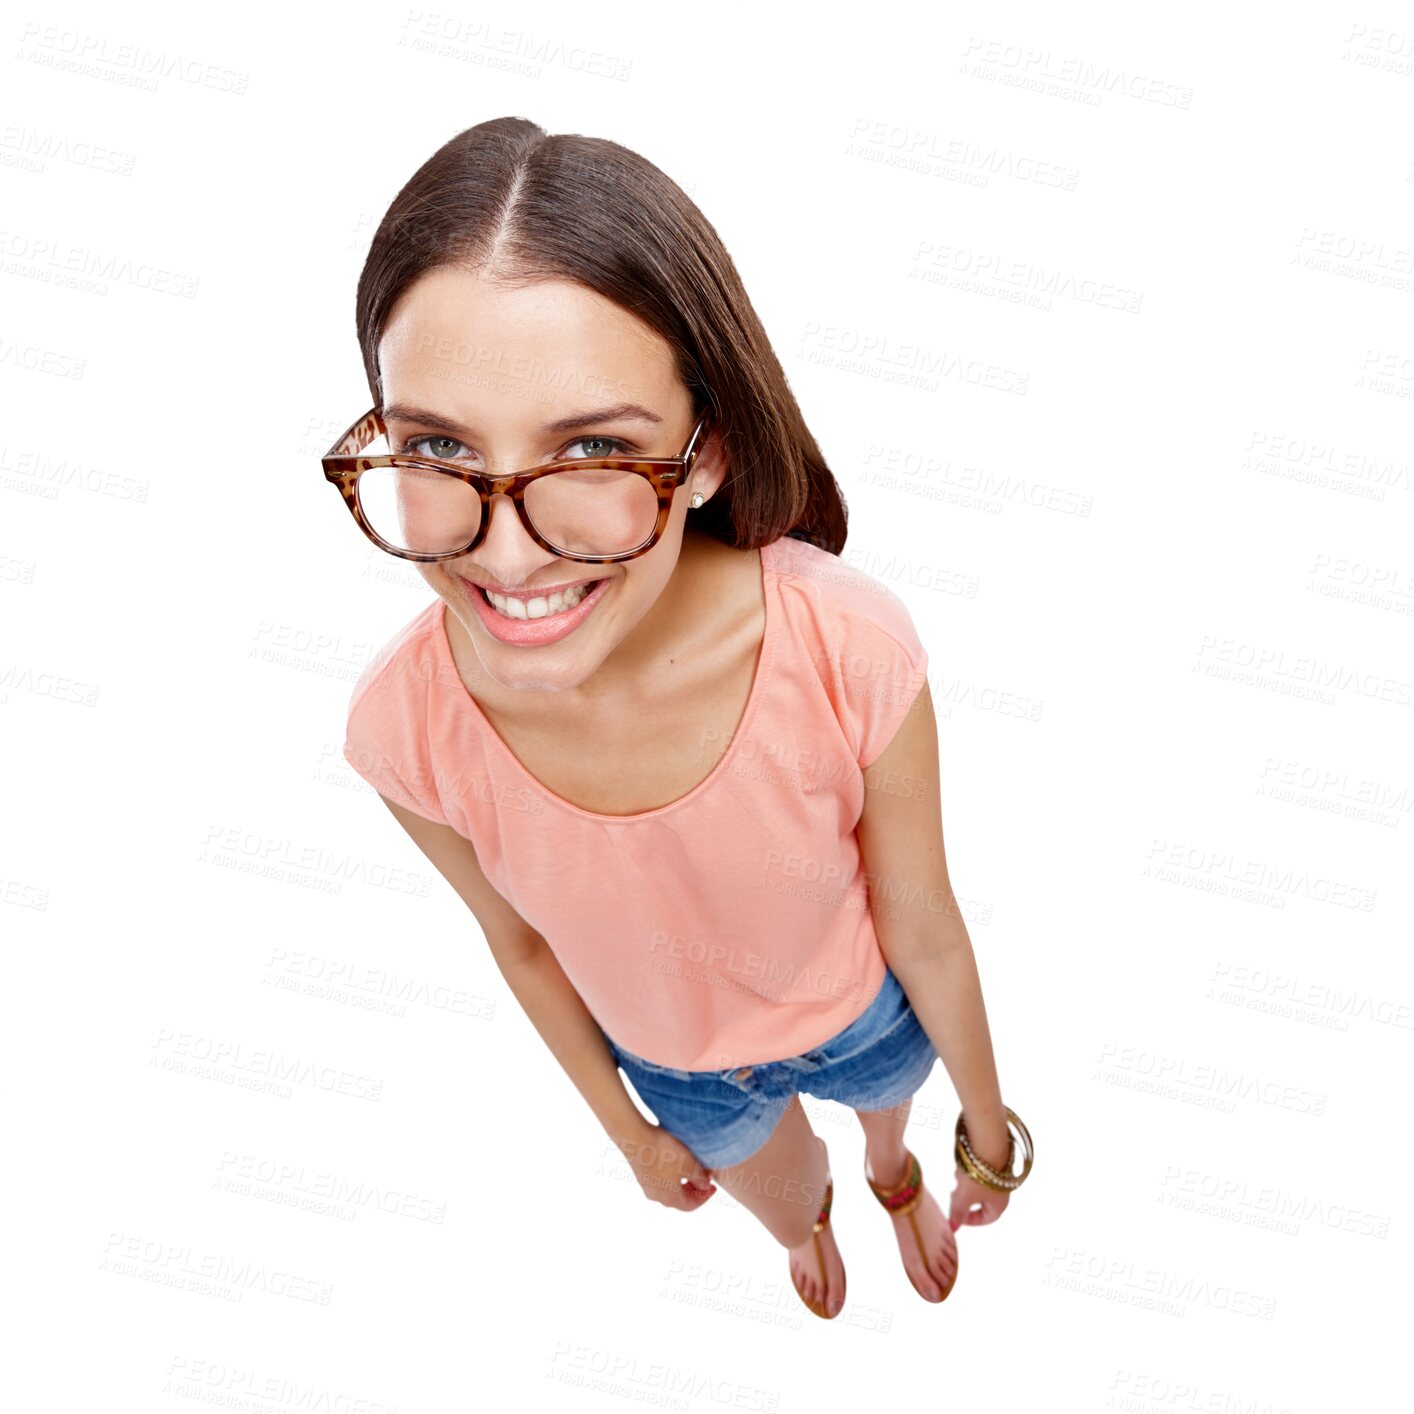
[
  {"x": 904, "y": 1196},
  {"x": 817, "y": 1307}
]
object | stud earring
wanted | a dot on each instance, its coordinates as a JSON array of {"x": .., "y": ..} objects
[{"x": 696, "y": 500}]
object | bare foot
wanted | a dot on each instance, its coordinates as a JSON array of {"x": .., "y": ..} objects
[
  {"x": 805, "y": 1266},
  {"x": 931, "y": 1279}
]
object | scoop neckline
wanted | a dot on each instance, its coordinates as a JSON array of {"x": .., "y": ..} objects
[{"x": 758, "y": 686}]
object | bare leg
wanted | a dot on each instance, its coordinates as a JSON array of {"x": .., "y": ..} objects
[
  {"x": 885, "y": 1157},
  {"x": 783, "y": 1184}
]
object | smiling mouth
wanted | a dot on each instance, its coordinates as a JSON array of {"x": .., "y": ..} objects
[{"x": 535, "y": 604}]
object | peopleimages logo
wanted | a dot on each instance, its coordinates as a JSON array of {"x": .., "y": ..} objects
[{"x": 119, "y": 61}]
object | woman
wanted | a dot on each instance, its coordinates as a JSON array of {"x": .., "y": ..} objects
[{"x": 677, "y": 758}]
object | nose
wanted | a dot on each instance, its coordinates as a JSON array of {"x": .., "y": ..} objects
[
  {"x": 502, "y": 509},
  {"x": 508, "y": 552}
]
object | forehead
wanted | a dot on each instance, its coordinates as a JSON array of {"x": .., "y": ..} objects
[{"x": 476, "y": 350}]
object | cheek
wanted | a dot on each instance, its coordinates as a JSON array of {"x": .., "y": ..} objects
[
  {"x": 661, "y": 562},
  {"x": 641, "y": 588},
  {"x": 436, "y": 578}
]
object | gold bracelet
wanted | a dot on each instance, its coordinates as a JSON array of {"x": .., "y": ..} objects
[
  {"x": 982, "y": 1171},
  {"x": 973, "y": 1167}
]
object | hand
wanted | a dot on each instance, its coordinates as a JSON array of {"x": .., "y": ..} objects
[
  {"x": 993, "y": 1202},
  {"x": 666, "y": 1170}
]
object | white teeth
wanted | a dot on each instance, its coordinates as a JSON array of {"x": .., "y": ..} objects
[{"x": 538, "y": 608}]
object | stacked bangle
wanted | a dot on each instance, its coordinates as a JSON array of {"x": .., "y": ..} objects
[{"x": 983, "y": 1172}]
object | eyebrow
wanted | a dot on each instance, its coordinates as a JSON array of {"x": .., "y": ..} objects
[{"x": 619, "y": 412}]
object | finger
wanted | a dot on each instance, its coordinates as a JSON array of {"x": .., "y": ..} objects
[
  {"x": 699, "y": 1192},
  {"x": 957, "y": 1213}
]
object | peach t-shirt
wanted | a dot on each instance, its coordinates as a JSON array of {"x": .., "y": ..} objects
[{"x": 732, "y": 925}]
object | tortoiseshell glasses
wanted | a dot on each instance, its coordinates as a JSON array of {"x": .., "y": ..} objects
[{"x": 594, "y": 509}]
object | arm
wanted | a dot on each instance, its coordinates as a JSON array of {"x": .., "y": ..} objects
[
  {"x": 920, "y": 929},
  {"x": 534, "y": 974}
]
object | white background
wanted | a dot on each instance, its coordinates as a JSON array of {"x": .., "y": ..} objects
[{"x": 1103, "y": 321}]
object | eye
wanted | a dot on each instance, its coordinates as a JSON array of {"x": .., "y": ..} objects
[
  {"x": 440, "y": 446},
  {"x": 444, "y": 448},
  {"x": 605, "y": 447}
]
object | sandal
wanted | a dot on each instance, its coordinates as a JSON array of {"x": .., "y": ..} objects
[
  {"x": 904, "y": 1198},
  {"x": 818, "y": 1307}
]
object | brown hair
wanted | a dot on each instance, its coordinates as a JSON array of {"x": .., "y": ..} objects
[{"x": 507, "y": 197}]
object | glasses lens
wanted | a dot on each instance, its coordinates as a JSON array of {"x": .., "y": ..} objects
[
  {"x": 419, "y": 510},
  {"x": 592, "y": 509}
]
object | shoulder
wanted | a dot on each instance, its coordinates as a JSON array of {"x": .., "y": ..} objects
[
  {"x": 861, "y": 637},
  {"x": 386, "y": 730},
  {"x": 852, "y": 605},
  {"x": 402, "y": 664}
]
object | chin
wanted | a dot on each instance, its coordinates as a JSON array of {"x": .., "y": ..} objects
[{"x": 537, "y": 679}]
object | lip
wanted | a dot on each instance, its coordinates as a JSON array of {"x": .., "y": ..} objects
[
  {"x": 534, "y": 633},
  {"x": 540, "y": 591}
]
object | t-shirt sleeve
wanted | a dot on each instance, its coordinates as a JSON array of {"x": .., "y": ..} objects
[
  {"x": 386, "y": 742},
  {"x": 883, "y": 666}
]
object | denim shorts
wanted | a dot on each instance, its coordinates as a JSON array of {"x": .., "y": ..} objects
[{"x": 725, "y": 1116}]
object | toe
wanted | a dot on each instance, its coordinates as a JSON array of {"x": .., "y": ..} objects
[
  {"x": 920, "y": 1270},
  {"x": 923, "y": 1280},
  {"x": 934, "y": 1278},
  {"x": 941, "y": 1269},
  {"x": 944, "y": 1269},
  {"x": 949, "y": 1249}
]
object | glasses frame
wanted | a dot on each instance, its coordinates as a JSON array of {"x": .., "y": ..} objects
[{"x": 343, "y": 464}]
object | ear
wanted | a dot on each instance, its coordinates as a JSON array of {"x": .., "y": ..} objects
[{"x": 710, "y": 469}]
